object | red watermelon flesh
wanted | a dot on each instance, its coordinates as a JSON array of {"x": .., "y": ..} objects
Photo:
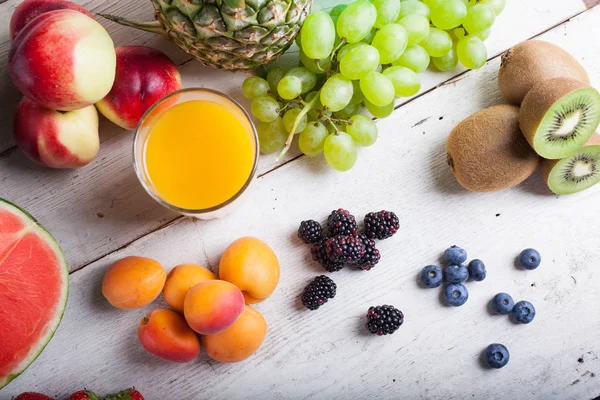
[{"x": 34, "y": 282}]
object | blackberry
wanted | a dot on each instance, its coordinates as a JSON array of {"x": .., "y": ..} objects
[
  {"x": 381, "y": 225},
  {"x": 384, "y": 320},
  {"x": 371, "y": 256},
  {"x": 345, "y": 248},
  {"x": 310, "y": 231},
  {"x": 318, "y": 292},
  {"x": 319, "y": 253},
  {"x": 341, "y": 222}
]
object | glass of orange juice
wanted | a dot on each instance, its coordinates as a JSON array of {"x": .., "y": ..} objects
[{"x": 196, "y": 152}]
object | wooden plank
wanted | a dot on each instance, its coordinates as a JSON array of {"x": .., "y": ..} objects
[
  {"x": 100, "y": 208},
  {"x": 327, "y": 353}
]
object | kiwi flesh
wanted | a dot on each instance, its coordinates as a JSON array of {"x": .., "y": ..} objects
[
  {"x": 534, "y": 61},
  {"x": 577, "y": 172},
  {"x": 487, "y": 152},
  {"x": 559, "y": 115}
]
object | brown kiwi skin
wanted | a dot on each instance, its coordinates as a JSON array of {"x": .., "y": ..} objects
[
  {"x": 539, "y": 100},
  {"x": 546, "y": 166},
  {"x": 533, "y": 61},
  {"x": 487, "y": 152}
]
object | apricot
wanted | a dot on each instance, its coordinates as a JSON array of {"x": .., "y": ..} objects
[
  {"x": 133, "y": 282},
  {"x": 212, "y": 306},
  {"x": 240, "y": 340},
  {"x": 180, "y": 280},
  {"x": 250, "y": 264},
  {"x": 165, "y": 334}
]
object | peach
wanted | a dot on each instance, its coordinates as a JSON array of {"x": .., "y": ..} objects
[
  {"x": 28, "y": 10},
  {"x": 250, "y": 264},
  {"x": 212, "y": 306},
  {"x": 57, "y": 139},
  {"x": 133, "y": 282},
  {"x": 64, "y": 60},
  {"x": 165, "y": 334},
  {"x": 144, "y": 75},
  {"x": 180, "y": 280},
  {"x": 240, "y": 340}
]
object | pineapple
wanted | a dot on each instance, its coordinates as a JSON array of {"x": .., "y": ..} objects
[{"x": 228, "y": 34}]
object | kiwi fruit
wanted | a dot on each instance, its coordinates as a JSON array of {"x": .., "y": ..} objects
[
  {"x": 577, "y": 172},
  {"x": 487, "y": 152},
  {"x": 531, "y": 62},
  {"x": 559, "y": 115}
]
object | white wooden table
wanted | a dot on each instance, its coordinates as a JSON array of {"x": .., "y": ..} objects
[{"x": 100, "y": 213}]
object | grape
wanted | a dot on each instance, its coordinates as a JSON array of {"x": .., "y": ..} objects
[
  {"x": 308, "y": 78},
  {"x": 345, "y": 49},
  {"x": 479, "y": 18},
  {"x": 390, "y": 41},
  {"x": 265, "y": 108},
  {"x": 357, "y": 95},
  {"x": 347, "y": 111},
  {"x": 417, "y": 27},
  {"x": 437, "y": 43},
  {"x": 359, "y": 61},
  {"x": 448, "y": 14},
  {"x": 337, "y": 10},
  {"x": 340, "y": 151},
  {"x": 497, "y": 5},
  {"x": 336, "y": 92},
  {"x": 377, "y": 88},
  {"x": 471, "y": 52},
  {"x": 447, "y": 62},
  {"x": 289, "y": 87},
  {"x": 255, "y": 87},
  {"x": 406, "y": 81},
  {"x": 483, "y": 35},
  {"x": 369, "y": 38},
  {"x": 387, "y": 11},
  {"x": 318, "y": 35},
  {"x": 271, "y": 136},
  {"x": 312, "y": 139},
  {"x": 414, "y": 57},
  {"x": 298, "y": 40},
  {"x": 413, "y": 7},
  {"x": 274, "y": 76},
  {"x": 363, "y": 130},
  {"x": 379, "y": 112},
  {"x": 316, "y": 66},
  {"x": 355, "y": 22},
  {"x": 289, "y": 118}
]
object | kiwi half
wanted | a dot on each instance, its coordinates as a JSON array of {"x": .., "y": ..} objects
[
  {"x": 534, "y": 61},
  {"x": 577, "y": 172},
  {"x": 487, "y": 152},
  {"x": 559, "y": 115}
]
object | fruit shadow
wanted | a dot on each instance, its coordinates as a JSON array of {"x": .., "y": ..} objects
[
  {"x": 481, "y": 359},
  {"x": 443, "y": 178},
  {"x": 96, "y": 299},
  {"x": 535, "y": 185}
]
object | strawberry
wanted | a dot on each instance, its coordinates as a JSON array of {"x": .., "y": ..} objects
[
  {"x": 33, "y": 396},
  {"x": 83, "y": 395},
  {"x": 127, "y": 394}
]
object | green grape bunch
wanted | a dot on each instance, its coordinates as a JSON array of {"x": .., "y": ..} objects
[{"x": 362, "y": 56}]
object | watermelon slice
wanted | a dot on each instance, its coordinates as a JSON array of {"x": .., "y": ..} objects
[{"x": 34, "y": 284}]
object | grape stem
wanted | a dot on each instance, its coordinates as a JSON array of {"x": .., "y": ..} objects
[
  {"x": 307, "y": 107},
  {"x": 332, "y": 57},
  {"x": 335, "y": 128}
]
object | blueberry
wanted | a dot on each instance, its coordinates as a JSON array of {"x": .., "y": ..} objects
[
  {"x": 524, "y": 312},
  {"x": 431, "y": 276},
  {"x": 456, "y": 273},
  {"x": 455, "y": 255},
  {"x": 477, "y": 270},
  {"x": 456, "y": 294},
  {"x": 496, "y": 355},
  {"x": 530, "y": 259},
  {"x": 502, "y": 303}
]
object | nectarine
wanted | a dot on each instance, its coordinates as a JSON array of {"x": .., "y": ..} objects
[
  {"x": 240, "y": 340},
  {"x": 180, "y": 280},
  {"x": 133, "y": 282},
  {"x": 250, "y": 264},
  {"x": 165, "y": 334},
  {"x": 212, "y": 306}
]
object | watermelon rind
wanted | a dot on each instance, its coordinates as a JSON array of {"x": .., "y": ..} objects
[{"x": 39, "y": 229}]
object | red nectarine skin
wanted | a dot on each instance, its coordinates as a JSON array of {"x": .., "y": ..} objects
[
  {"x": 144, "y": 76},
  {"x": 28, "y": 10}
]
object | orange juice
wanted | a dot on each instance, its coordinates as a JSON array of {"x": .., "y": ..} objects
[{"x": 199, "y": 154}]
